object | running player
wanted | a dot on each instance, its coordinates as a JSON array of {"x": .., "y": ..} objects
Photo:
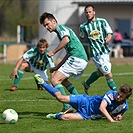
[
  {"x": 34, "y": 60},
  {"x": 112, "y": 105},
  {"x": 99, "y": 34},
  {"x": 75, "y": 61}
]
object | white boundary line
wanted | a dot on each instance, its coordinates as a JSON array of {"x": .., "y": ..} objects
[
  {"x": 117, "y": 74},
  {"x": 84, "y": 75},
  {"x": 42, "y": 100}
]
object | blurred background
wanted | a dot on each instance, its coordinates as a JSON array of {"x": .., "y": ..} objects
[{"x": 20, "y": 28}]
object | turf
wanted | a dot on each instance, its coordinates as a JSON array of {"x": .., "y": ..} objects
[{"x": 33, "y": 105}]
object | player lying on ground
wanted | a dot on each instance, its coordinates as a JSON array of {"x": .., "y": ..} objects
[{"x": 112, "y": 105}]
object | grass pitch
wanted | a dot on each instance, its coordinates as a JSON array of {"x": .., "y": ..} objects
[{"x": 33, "y": 105}]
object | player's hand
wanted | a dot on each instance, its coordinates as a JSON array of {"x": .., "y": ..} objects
[
  {"x": 14, "y": 74},
  {"x": 118, "y": 117},
  {"x": 107, "y": 40},
  {"x": 50, "y": 54}
]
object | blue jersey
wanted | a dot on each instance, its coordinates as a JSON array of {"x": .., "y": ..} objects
[{"x": 88, "y": 106}]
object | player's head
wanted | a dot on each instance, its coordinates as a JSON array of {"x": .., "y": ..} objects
[
  {"x": 124, "y": 92},
  {"x": 90, "y": 12},
  {"x": 48, "y": 21},
  {"x": 42, "y": 45}
]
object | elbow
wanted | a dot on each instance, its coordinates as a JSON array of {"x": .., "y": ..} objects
[{"x": 101, "y": 109}]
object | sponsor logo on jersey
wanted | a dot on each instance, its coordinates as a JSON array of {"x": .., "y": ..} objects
[{"x": 95, "y": 34}]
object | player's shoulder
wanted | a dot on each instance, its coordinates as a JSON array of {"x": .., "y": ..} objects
[
  {"x": 102, "y": 20},
  {"x": 62, "y": 27},
  {"x": 84, "y": 24},
  {"x": 32, "y": 50},
  {"x": 111, "y": 94}
]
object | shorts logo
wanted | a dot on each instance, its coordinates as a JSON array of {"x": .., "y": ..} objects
[{"x": 95, "y": 34}]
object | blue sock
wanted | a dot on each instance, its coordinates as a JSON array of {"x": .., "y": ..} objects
[
  {"x": 50, "y": 89},
  {"x": 58, "y": 116}
]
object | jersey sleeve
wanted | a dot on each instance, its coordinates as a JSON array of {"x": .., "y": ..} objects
[
  {"x": 107, "y": 27},
  {"x": 51, "y": 62},
  {"x": 30, "y": 53},
  {"x": 82, "y": 33},
  {"x": 108, "y": 97},
  {"x": 63, "y": 32}
]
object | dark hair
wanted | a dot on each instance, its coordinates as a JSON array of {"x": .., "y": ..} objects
[
  {"x": 126, "y": 89},
  {"x": 46, "y": 15},
  {"x": 89, "y": 6},
  {"x": 41, "y": 42}
]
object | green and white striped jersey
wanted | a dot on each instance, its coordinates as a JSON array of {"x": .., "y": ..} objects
[
  {"x": 96, "y": 33},
  {"x": 74, "y": 47},
  {"x": 37, "y": 60}
]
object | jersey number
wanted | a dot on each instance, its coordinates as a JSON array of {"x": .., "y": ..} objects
[{"x": 105, "y": 67}]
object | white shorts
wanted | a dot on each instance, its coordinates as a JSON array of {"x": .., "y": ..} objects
[
  {"x": 43, "y": 74},
  {"x": 102, "y": 63},
  {"x": 73, "y": 67}
]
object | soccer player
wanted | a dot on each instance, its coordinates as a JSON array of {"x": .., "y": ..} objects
[
  {"x": 99, "y": 34},
  {"x": 34, "y": 60},
  {"x": 112, "y": 105},
  {"x": 75, "y": 60}
]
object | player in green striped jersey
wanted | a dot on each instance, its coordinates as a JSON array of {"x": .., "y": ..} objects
[
  {"x": 75, "y": 60},
  {"x": 99, "y": 34},
  {"x": 34, "y": 60}
]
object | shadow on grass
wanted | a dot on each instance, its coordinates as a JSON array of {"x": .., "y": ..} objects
[{"x": 33, "y": 115}]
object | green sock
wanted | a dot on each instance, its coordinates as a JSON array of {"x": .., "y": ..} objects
[
  {"x": 61, "y": 89},
  {"x": 20, "y": 75},
  {"x": 111, "y": 84},
  {"x": 71, "y": 89},
  {"x": 94, "y": 76}
]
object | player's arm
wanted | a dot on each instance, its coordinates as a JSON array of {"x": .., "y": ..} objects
[
  {"x": 61, "y": 45},
  {"x": 14, "y": 73},
  {"x": 108, "y": 38},
  {"x": 103, "y": 109}
]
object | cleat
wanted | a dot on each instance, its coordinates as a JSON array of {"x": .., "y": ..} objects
[
  {"x": 13, "y": 88},
  {"x": 51, "y": 116},
  {"x": 39, "y": 79},
  {"x": 69, "y": 110},
  {"x": 86, "y": 87}
]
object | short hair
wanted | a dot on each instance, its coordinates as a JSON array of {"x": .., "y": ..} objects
[
  {"x": 42, "y": 41},
  {"x": 126, "y": 89},
  {"x": 89, "y": 6},
  {"x": 46, "y": 15}
]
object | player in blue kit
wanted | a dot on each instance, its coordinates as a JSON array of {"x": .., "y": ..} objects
[{"x": 112, "y": 105}]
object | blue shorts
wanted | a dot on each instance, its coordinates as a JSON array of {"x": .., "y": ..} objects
[{"x": 82, "y": 104}]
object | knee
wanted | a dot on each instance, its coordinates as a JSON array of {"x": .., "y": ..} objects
[
  {"x": 23, "y": 66},
  {"x": 109, "y": 75},
  {"x": 61, "y": 98},
  {"x": 53, "y": 81}
]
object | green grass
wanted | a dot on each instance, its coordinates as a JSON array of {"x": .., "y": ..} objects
[{"x": 33, "y": 105}]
